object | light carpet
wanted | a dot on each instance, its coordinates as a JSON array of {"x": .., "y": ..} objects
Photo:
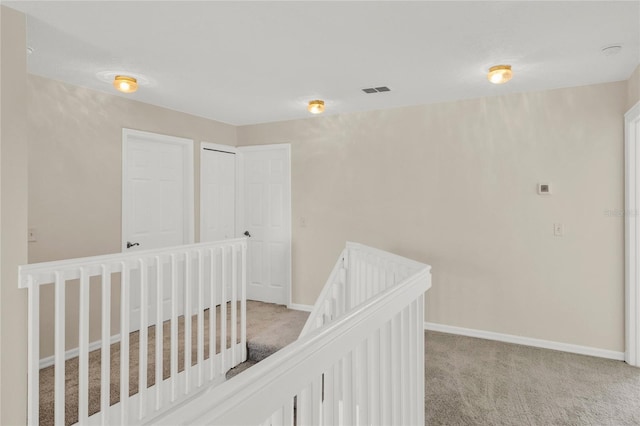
[
  {"x": 269, "y": 327},
  {"x": 482, "y": 382},
  {"x": 468, "y": 381}
]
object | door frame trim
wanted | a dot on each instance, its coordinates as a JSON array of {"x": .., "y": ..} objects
[
  {"x": 187, "y": 146},
  {"x": 225, "y": 148},
  {"x": 632, "y": 235},
  {"x": 288, "y": 199}
]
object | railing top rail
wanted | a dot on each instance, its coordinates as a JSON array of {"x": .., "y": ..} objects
[
  {"x": 353, "y": 249},
  {"x": 48, "y": 267},
  {"x": 391, "y": 256},
  {"x": 293, "y": 366}
]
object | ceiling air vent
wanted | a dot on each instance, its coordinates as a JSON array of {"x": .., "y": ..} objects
[{"x": 376, "y": 89}]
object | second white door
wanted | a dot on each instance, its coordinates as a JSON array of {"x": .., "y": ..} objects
[
  {"x": 218, "y": 192},
  {"x": 266, "y": 216},
  {"x": 217, "y": 198}
]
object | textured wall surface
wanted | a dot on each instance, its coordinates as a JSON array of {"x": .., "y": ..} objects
[
  {"x": 454, "y": 185},
  {"x": 13, "y": 217}
]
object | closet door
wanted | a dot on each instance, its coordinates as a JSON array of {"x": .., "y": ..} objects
[{"x": 218, "y": 195}]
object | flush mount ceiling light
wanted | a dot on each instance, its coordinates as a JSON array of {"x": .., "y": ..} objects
[
  {"x": 316, "y": 106},
  {"x": 118, "y": 78},
  {"x": 500, "y": 74},
  {"x": 125, "y": 84}
]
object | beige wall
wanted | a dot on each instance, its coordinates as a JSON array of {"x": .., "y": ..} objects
[
  {"x": 13, "y": 217},
  {"x": 633, "y": 88},
  {"x": 75, "y": 157},
  {"x": 454, "y": 185}
]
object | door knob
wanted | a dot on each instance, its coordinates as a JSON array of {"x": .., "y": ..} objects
[
  {"x": 130, "y": 244},
  {"x": 247, "y": 234}
]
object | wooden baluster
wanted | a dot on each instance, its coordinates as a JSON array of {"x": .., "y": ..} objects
[
  {"x": 385, "y": 374},
  {"x": 212, "y": 316},
  {"x": 33, "y": 373},
  {"x": 357, "y": 282},
  {"x": 243, "y": 302},
  {"x": 316, "y": 401},
  {"x": 174, "y": 328},
  {"x": 83, "y": 348},
  {"x": 363, "y": 382},
  {"x": 326, "y": 314},
  {"x": 405, "y": 366},
  {"x": 347, "y": 390},
  {"x": 234, "y": 305},
  {"x": 277, "y": 418},
  {"x": 200, "y": 368},
  {"x": 375, "y": 272},
  {"x": 342, "y": 282},
  {"x": 373, "y": 372},
  {"x": 143, "y": 339},
  {"x": 304, "y": 407},
  {"x": 419, "y": 391},
  {"x": 59, "y": 324},
  {"x": 328, "y": 397},
  {"x": 287, "y": 412},
  {"x": 159, "y": 330},
  {"x": 337, "y": 393},
  {"x": 413, "y": 370},
  {"x": 188, "y": 308},
  {"x": 396, "y": 370},
  {"x": 105, "y": 359},
  {"x": 125, "y": 296},
  {"x": 223, "y": 311}
]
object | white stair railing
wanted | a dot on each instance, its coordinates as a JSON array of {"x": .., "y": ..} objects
[
  {"x": 366, "y": 367},
  {"x": 360, "y": 273},
  {"x": 185, "y": 281}
]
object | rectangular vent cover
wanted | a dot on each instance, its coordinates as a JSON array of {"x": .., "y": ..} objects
[{"x": 376, "y": 89}]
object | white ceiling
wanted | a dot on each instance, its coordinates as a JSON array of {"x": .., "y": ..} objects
[{"x": 253, "y": 62}]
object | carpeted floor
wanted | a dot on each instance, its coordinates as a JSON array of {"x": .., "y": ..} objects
[
  {"x": 269, "y": 327},
  {"x": 468, "y": 381},
  {"x": 481, "y": 382}
]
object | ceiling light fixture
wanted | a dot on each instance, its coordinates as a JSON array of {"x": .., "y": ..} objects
[
  {"x": 316, "y": 106},
  {"x": 125, "y": 84},
  {"x": 500, "y": 74}
]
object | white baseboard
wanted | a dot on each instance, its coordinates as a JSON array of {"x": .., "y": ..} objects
[
  {"x": 72, "y": 353},
  {"x": 527, "y": 341},
  {"x": 299, "y": 307}
]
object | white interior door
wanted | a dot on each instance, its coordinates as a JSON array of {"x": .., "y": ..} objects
[
  {"x": 217, "y": 199},
  {"x": 632, "y": 237},
  {"x": 218, "y": 192},
  {"x": 266, "y": 215},
  {"x": 157, "y": 203}
]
